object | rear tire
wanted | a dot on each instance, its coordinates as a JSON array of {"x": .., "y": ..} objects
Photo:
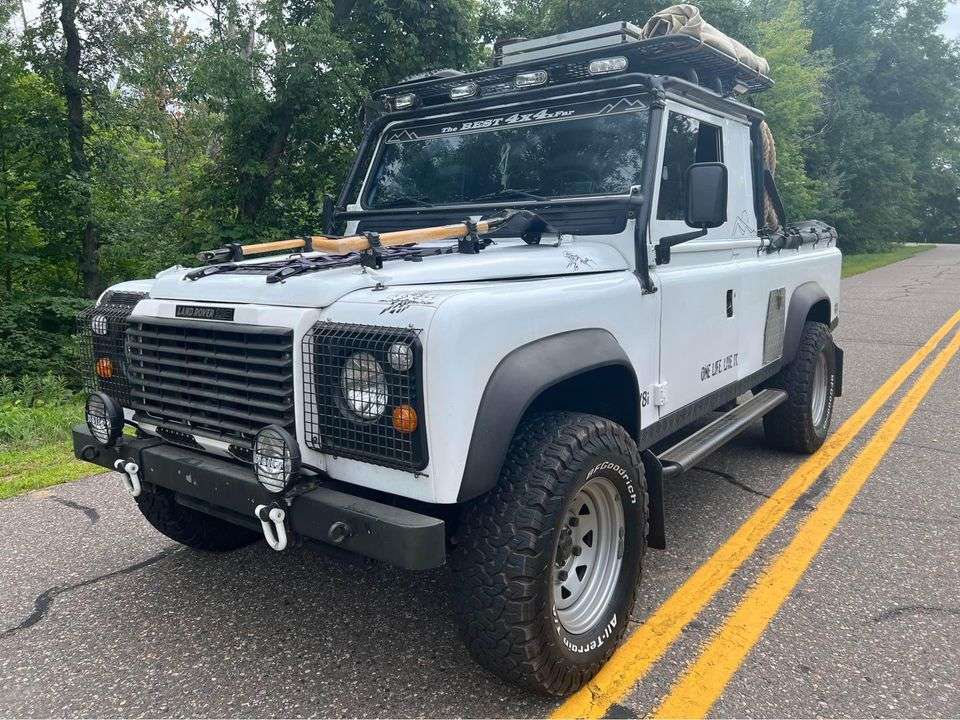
[
  {"x": 802, "y": 423},
  {"x": 547, "y": 564},
  {"x": 188, "y": 526}
]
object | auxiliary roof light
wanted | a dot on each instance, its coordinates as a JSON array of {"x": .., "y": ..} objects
[
  {"x": 404, "y": 102},
  {"x": 104, "y": 418},
  {"x": 462, "y": 92},
  {"x": 605, "y": 66},
  {"x": 534, "y": 78}
]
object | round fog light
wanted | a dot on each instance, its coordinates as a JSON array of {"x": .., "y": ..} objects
[
  {"x": 276, "y": 459},
  {"x": 104, "y": 418}
]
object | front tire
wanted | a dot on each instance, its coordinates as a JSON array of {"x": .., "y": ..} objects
[
  {"x": 547, "y": 564},
  {"x": 802, "y": 423},
  {"x": 188, "y": 526}
]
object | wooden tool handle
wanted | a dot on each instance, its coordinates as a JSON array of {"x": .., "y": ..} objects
[
  {"x": 358, "y": 243},
  {"x": 355, "y": 243},
  {"x": 272, "y": 247}
]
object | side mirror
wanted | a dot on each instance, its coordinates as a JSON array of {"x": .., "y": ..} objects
[
  {"x": 706, "y": 205},
  {"x": 706, "y": 195}
]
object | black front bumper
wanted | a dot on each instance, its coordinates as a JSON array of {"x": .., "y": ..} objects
[{"x": 223, "y": 489}]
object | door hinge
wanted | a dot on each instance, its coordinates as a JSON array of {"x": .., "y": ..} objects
[{"x": 660, "y": 395}]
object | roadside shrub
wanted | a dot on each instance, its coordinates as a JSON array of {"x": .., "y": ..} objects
[
  {"x": 36, "y": 410},
  {"x": 37, "y": 337}
]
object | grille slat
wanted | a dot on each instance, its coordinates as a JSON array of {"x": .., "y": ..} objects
[
  {"x": 171, "y": 395},
  {"x": 233, "y": 372},
  {"x": 161, "y": 347},
  {"x": 157, "y": 376},
  {"x": 216, "y": 379},
  {"x": 334, "y": 355}
]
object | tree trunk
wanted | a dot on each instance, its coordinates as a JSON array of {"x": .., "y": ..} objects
[
  {"x": 284, "y": 115},
  {"x": 260, "y": 187},
  {"x": 90, "y": 244}
]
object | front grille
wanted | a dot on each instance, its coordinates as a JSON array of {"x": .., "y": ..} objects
[
  {"x": 218, "y": 380},
  {"x": 106, "y": 343},
  {"x": 329, "y": 423}
]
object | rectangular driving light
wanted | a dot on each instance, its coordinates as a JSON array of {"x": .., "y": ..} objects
[
  {"x": 404, "y": 102},
  {"x": 462, "y": 92},
  {"x": 531, "y": 79},
  {"x": 606, "y": 66}
]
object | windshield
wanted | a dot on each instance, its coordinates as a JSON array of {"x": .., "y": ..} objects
[{"x": 576, "y": 149}]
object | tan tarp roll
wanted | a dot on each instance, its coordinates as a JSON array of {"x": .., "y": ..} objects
[
  {"x": 770, "y": 163},
  {"x": 686, "y": 20}
]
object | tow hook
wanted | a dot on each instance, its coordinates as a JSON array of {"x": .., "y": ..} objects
[
  {"x": 130, "y": 476},
  {"x": 274, "y": 529}
]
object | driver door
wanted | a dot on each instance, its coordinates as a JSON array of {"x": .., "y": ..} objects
[{"x": 699, "y": 335}]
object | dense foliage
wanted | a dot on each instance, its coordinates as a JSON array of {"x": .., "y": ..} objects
[{"x": 132, "y": 134}]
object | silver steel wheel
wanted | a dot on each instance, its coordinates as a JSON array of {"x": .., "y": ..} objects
[
  {"x": 820, "y": 391},
  {"x": 589, "y": 555}
]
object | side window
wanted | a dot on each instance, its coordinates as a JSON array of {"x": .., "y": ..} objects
[{"x": 688, "y": 141}]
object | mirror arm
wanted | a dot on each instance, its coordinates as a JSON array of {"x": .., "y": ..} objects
[{"x": 663, "y": 247}]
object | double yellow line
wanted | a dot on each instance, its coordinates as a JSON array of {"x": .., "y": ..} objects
[{"x": 700, "y": 686}]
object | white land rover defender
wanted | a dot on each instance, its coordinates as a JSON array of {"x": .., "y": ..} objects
[{"x": 583, "y": 273}]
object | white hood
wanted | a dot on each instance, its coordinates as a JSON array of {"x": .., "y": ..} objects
[{"x": 322, "y": 288}]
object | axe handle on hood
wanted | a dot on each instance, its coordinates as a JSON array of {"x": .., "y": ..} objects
[{"x": 358, "y": 243}]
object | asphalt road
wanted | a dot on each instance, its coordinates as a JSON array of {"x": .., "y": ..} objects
[{"x": 102, "y": 616}]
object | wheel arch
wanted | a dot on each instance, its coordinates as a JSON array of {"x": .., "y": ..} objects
[
  {"x": 580, "y": 370},
  {"x": 809, "y": 301}
]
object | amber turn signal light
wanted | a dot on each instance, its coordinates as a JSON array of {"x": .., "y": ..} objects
[
  {"x": 104, "y": 368},
  {"x": 404, "y": 419}
]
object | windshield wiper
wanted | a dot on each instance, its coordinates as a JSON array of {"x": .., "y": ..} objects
[
  {"x": 404, "y": 200},
  {"x": 507, "y": 193}
]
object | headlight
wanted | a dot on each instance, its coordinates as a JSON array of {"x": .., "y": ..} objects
[
  {"x": 276, "y": 459},
  {"x": 363, "y": 384},
  {"x": 104, "y": 418}
]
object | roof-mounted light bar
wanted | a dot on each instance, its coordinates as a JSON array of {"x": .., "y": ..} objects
[
  {"x": 534, "y": 78},
  {"x": 462, "y": 92},
  {"x": 402, "y": 102},
  {"x": 607, "y": 66}
]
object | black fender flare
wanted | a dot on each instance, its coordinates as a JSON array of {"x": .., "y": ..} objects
[
  {"x": 520, "y": 377},
  {"x": 804, "y": 297}
]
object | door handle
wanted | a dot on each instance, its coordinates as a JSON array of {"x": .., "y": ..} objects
[{"x": 729, "y": 303}]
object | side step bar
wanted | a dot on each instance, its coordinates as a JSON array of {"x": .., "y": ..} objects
[{"x": 688, "y": 452}]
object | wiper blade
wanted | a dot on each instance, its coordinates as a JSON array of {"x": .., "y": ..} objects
[
  {"x": 404, "y": 200},
  {"x": 507, "y": 193}
]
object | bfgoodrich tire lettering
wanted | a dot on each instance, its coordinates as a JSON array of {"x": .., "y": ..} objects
[
  {"x": 188, "y": 526},
  {"x": 508, "y": 547},
  {"x": 802, "y": 423}
]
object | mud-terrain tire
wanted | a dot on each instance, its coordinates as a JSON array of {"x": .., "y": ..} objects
[
  {"x": 802, "y": 423},
  {"x": 188, "y": 526},
  {"x": 508, "y": 578}
]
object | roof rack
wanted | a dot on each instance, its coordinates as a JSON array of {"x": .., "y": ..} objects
[
  {"x": 510, "y": 52},
  {"x": 685, "y": 52},
  {"x": 567, "y": 58}
]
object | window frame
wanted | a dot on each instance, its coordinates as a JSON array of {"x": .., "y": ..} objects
[
  {"x": 702, "y": 118},
  {"x": 360, "y": 206}
]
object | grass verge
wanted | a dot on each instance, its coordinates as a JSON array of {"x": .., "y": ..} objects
[
  {"x": 39, "y": 467},
  {"x": 35, "y": 447},
  {"x": 861, "y": 263}
]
